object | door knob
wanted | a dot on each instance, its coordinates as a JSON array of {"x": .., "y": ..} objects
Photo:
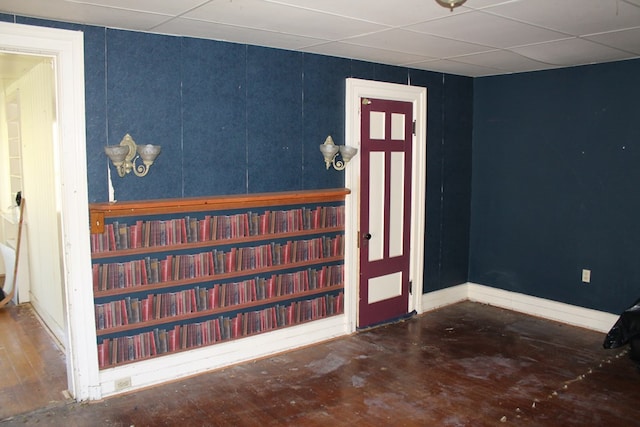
[{"x": 367, "y": 236}]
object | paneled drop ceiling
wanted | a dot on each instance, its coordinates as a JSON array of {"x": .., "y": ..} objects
[{"x": 480, "y": 38}]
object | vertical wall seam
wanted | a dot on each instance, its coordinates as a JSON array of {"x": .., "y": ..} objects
[
  {"x": 442, "y": 165},
  {"x": 182, "y": 168},
  {"x": 106, "y": 90},
  {"x": 302, "y": 118},
  {"x": 246, "y": 117}
]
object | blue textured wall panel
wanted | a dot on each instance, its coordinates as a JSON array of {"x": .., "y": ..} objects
[
  {"x": 214, "y": 104},
  {"x": 555, "y": 184},
  {"x": 274, "y": 119}
]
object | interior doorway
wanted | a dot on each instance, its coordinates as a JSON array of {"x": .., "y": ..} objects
[
  {"x": 413, "y": 102},
  {"x": 28, "y": 148},
  {"x": 66, "y": 48}
]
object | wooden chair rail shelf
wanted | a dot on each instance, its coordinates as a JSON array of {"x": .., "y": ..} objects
[
  {"x": 99, "y": 211},
  {"x": 217, "y": 310}
]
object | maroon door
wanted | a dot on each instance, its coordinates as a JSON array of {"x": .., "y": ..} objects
[{"x": 385, "y": 227}]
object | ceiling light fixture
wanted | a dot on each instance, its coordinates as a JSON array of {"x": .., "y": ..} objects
[{"x": 450, "y": 3}]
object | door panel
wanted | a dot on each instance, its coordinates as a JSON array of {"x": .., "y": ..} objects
[
  {"x": 386, "y": 147},
  {"x": 384, "y": 287},
  {"x": 396, "y": 213},
  {"x": 376, "y": 208}
]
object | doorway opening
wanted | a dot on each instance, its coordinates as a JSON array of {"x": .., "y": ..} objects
[
  {"x": 29, "y": 151},
  {"x": 67, "y": 205}
]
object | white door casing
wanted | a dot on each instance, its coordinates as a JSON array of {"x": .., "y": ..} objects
[{"x": 67, "y": 49}]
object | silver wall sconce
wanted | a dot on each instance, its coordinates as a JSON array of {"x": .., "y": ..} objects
[
  {"x": 330, "y": 152},
  {"x": 124, "y": 156}
]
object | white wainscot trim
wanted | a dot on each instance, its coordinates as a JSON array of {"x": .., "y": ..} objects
[
  {"x": 587, "y": 318},
  {"x": 161, "y": 369}
]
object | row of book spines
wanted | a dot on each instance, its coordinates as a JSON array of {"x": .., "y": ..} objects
[
  {"x": 113, "y": 351},
  {"x": 129, "y": 310},
  {"x": 153, "y": 233},
  {"x": 149, "y": 270}
]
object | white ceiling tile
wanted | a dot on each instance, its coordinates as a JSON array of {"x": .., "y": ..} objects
[
  {"x": 571, "y": 52},
  {"x": 257, "y": 14},
  {"x": 481, "y": 4},
  {"x": 201, "y": 29},
  {"x": 167, "y": 7},
  {"x": 453, "y": 67},
  {"x": 378, "y": 11},
  {"x": 575, "y": 17},
  {"x": 343, "y": 50},
  {"x": 416, "y": 43},
  {"x": 82, "y": 13},
  {"x": 486, "y": 29},
  {"x": 502, "y": 60},
  {"x": 37, "y": 9},
  {"x": 628, "y": 40}
]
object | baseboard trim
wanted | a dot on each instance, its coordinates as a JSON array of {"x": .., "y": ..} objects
[
  {"x": 599, "y": 321},
  {"x": 180, "y": 365},
  {"x": 444, "y": 297}
]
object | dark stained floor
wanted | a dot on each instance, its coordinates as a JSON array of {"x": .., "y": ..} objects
[{"x": 463, "y": 365}]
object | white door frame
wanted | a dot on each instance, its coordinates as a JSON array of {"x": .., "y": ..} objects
[
  {"x": 67, "y": 47},
  {"x": 355, "y": 90}
]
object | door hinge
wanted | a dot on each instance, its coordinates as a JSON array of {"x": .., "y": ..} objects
[
  {"x": 413, "y": 127},
  {"x": 411, "y": 287}
]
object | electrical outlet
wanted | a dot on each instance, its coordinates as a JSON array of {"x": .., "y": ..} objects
[
  {"x": 123, "y": 383},
  {"x": 586, "y": 276}
]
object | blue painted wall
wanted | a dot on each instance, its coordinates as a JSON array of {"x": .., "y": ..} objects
[
  {"x": 235, "y": 118},
  {"x": 555, "y": 185}
]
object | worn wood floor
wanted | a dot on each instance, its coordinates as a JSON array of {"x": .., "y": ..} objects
[
  {"x": 32, "y": 367},
  {"x": 463, "y": 365}
]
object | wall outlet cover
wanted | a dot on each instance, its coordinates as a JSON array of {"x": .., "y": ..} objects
[{"x": 122, "y": 383}]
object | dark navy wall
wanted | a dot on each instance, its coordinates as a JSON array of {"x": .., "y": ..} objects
[
  {"x": 556, "y": 173},
  {"x": 449, "y": 131},
  {"x": 234, "y": 118}
]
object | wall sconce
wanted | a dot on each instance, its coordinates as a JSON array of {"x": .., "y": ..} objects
[
  {"x": 124, "y": 156},
  {"x": 330, "y": 152}
]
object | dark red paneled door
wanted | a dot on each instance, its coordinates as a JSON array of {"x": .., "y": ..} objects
[{"x": 385, "y": 226}]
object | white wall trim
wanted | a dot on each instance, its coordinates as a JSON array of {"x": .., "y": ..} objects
[
  {"x": 47, "y": 321},
  {"x": 180, "y": 365},
  {"x": 441, "y": 298},
  {"x": 587, "y": 318}
]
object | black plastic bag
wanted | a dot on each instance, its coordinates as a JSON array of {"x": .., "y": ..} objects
[{"x": 626, "y": 331}]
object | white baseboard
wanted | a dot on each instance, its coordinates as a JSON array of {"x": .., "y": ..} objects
[
  {"x": 49, "y": 324},
  {"x": 566, "y": 313},
  {"x": 444, "y": 297},
  {"x": 147, "y": 373},
  {"x": 179, "y": 365}
]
